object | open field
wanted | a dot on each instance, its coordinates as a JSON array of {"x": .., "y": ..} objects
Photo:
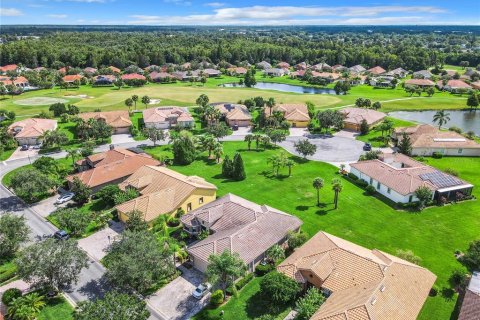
[
  {"x": 185, "y": 94},
  {"x": 433, "y": 234}
]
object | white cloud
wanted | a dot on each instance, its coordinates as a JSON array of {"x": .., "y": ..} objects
[
  {"x": 10, "y": 12},
  {"x": 215, "y": 4},
  {"x": 179, "y": 2},
  {"x": 57, "y": 16},
  {"x": 299, "y": 15}
]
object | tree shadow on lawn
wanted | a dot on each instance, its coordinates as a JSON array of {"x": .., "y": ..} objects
[
  {"x": 271, "y": 175},
  {"x": 258, "y": 305}
]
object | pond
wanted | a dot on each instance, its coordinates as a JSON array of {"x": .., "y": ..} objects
[
  {"x": 465, "y": 120},
  {"x": 283, "y": 87}
]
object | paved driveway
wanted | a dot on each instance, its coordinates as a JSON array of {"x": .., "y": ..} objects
[
  {"x": 96, "y": 244},
  {"x": 122, "y": 138},
  {"x": 298, "y": 132},
  {"x": 175, "y": 301},
  {"x": 47, "y": 206},
  {"x": 18, "y": 154},
  {"x": 242, "y": 131}
]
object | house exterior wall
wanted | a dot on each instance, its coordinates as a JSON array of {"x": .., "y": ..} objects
[
  {"x": 27, "y": 141},
  {"x": 447, "y": 152},
  {"x": 199, "y": 264},
  {"x": 384, "y": 190},
  {"x": 351, "y": 126},
  {"x": 240, "y": 123},
  {"x": 298, "y": 124},
  {"x": 158, "y": 125},
  {"x": 121, "y": 130}
]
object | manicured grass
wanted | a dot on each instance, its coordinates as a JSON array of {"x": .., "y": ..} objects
[
  {"x": 8, "y": 270},
  {"x": 56, "y": 308},
  {"x": 6, "y": 154},
  {"x": 433, "y": 234},
  {"x": 375, "y": 137}
]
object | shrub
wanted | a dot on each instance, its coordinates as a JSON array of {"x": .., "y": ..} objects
[
  {"x": 455, "y": 129},
  {"x": 451, "y": 171},
  {"x": 242, "y": 282},
  {"x": 409, "y": 256},
  {"x": 263, "y": 270},
  {"x": 309, "y": 304},
  {"x": 437, "y": 155},
  {"x": 370, "y": 189},
  {"x": 296, "y": 239},
  {"x": 457, "y": 278},
  {"x": 278, "y": 288},
  {"x": 362, "y": 183},
  {"x": 434, "y": 291},
  {"x": 217, "y": 298},
  {"x": 352, "y": 176},
  {"x": 11, "y": 294}
]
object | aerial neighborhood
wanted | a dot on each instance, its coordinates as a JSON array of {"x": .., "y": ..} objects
[{"x": 207, "y": 183}]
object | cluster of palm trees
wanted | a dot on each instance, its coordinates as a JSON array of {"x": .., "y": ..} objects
[
  {"x": 281, "y": 161},
  {"x": 53, "y": 138},
  {"x": 260, "y": 140},
  {"x": 212, "y": 145},
  {"x": 132, "y": 101},
  {"x": 337, "y": 187}
]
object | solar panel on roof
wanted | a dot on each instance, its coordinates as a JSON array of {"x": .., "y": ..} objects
[{"x": 440, "y": 179}]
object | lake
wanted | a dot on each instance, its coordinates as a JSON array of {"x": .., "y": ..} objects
[
  {"x": 466, "y": 120},
  {"x": 283, "y": 87}
]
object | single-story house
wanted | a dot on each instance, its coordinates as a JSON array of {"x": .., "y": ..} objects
[
  {"x": 397, "y": 177},
  {"x": 339, "y": 68},
  {"x": 356, "y": 79},
  {"x": 19, "y": 82},
  {"x": 453, "y": 85},
  {"x": 132, "y": 76},
  {"x": 358, "y": 283},
  {"x": 427, "y": 139},
  {"x": 64, "y": 70},
  {"x": 302, "y": 66},
  {"x": 376, "y": 71},
  {"x": 422, "y": 74},
  {"x": 383, "y": 82},
  {"x": 399, "y": 73},
  {"x": 239, "y": 226},
  {"x": 164, "y": 191},
  {"x": 322, "y": 67},
  {"x": 263, "y": 65},
  {"x": 353, "y": 117},
  {"x": 357, "y": 69},
  {"x": 167, "y": 117},
  {"x": 470, "y": 309},
  {"x": 423, "y": 83},
  {"x": 283, "y": 65},
  {"x": 156, "y": 76},
  {"x": 118, "y": 120},
  {"x": 89, "y": 70},
  {"x": 475, "y": 85},
  {"x": 30, "y": 131},
  {"x": 276, "y": 72},
  {"x": 327, "y": 76},
  {"x": 104, "y": 80},
  {"x": 209, "y": 72},
  {"x": 71, "y": 78},
  {"x": 104, "y": 158},
  {"x": 187, "y": 75},
  {"x": 8, "y": 67},
  {"x": 295, "y": 114},
  {"x": 186, "y": 66},
  {"x": 114, "y": 69},
  {"x": 151, "y": 68},
  {"x": 113, "y": 172},
  {"x": 237, "y": 71},
  {"x": 234, "y": 114}
]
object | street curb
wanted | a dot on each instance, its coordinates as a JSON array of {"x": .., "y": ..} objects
[{"x": 69, "y": 300}]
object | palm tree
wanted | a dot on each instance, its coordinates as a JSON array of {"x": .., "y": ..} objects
[
  {"x": 249, "y": 138},
  {"x": 145, "y": 101},
  {"x": 208, "y": 143},
  {"x": 218, "y": 152},
  {"x": 129, "y": 103},
  {"x": 289, "y": 163},
  {"x": 337, "y": 188},
  {"x": 441, "y": 117},
  {"x": 26, "y": 307},
  {"x": 135, "y": 99},
  {"x": 275, "y": 253},
  {"x": 270, "y": 104},
  {"x": 258, "y": 139},
  {"x": 318, "y": 184},
  {"x": 72, "y": 153}
]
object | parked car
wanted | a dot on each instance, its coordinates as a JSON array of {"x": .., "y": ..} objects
[
  {"x": 235, "y": 127},
  {"x": 24, "y": 147},
  {"x": 37, "y": 146},
  {"x": 201, "y": 290},
  {"x": 61, "y": 235},
  {"x": 367, "y": 146},
  {"x": 65, "y": 197}
]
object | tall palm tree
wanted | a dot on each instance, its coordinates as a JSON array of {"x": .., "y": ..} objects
[
  {"x": 208, "y": 143},
  {"x": 441, "y": 117},
  {"x": 318, "y": 184},
  {"x": 337, "y": 188},
  {"x": 72, "y": 153},
  {"x": 270, "y": 104},
  {"x": 289, "y": 163},
  {"x": 218, "y": 152},
  {"x": 135, "y": 99},
  {"x": 145, "y": 101},
  {"x": 249, "y": 138},
  {"x": 129, "y": 103}
]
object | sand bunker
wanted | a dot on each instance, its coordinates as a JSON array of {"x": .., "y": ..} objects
[
  {"x": 39, "y": 101},
  {"x": 80, "y": 96}
]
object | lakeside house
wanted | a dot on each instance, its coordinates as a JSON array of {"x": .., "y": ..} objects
[
  {"x": 118, "y": 120},
  {"x": 397, "y": 177},
  {"x": 470, "y": 309},
  {"x": 167, "y": 117},
  {"x": 237, "y": 225},
  {"x": 30, "y": 131},
  {"x": 383, "y": 82},
  {"x": 264, "y": 65},
  {"x": 427, "y": 140},
  {"x": 295, "y": 114},
  {"x": 353, "y": 117},
  {"x": 164, "y": 191},
  {"x": 237, "y": 71},
  {"x": 359, "y": 283},
  {"x": 453, "y": 86},
  {"x": 275, "y": 72},
  {"x": 211, "y": 73},
  {"x": 234, "y": 114}
]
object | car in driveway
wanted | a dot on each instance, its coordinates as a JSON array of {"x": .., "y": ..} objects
[
  {"x": 65, "y": 197},
  {"x": 201, "y": 290},
  {"x": 61, "y": 235},
  {"x": 367, "y": 146},
  {"x": 24, "y": 148}
]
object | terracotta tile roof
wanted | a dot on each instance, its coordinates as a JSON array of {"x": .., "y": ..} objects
[
  {"x": 283, "y": 65},
  {"x": 131, "y": 76},
  {"x": 405, "y": 180},
  {"x": 427, "y": 136},
  {"x": 471, "y": 302},
  {"x": 162, "y": 190},
  {"x": 32, "y": 128},
  {"x": 16, "y": 80},
  {"x": 454, "y": 84},
  {"x": 240, "y": 226},
  {"x": 292, "y": 112},
  {"x": 114, "y": 69},
  {"x": 357, "y": 69},
  {"x": 357, "y": 115},
  {"x": 103, "y": 158},
  {"x": 8, "y": 67},
  {"x": 237, "y": 70},
  {"x": 376, "y": 70},
  {"x": 420, "y": 82},
  {"x": 233, "y": 111},
  {"x": 113, "y": 171},
  {"x": 116, "y": 119},
  {"x": 90, "y": 70},
  {"x": 162, "y": 114},
  {"x": 325, "y": 75},
  {"x": 364, "y": 284},
  {"x": 160, "y": 75},
  {"x": 72, "y": 78}
]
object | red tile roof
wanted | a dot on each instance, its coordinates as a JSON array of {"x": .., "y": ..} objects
[
  {"x": 72, "y": 78},
  {"x": 17, "y": 80},
  {"x": 114, "y": 69},
  {"x": 420, "y": 82},
  {"x": 8, "y": 67},
  {"x": 131, "y": 76}
]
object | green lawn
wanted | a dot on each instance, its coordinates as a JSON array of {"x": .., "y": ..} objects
[
  {"x": 433, "y": 235},
  {"x": 375, "y": 137},
  {"x": 8, "y": 270},
  {"x": 56, "y": 309},
  {"x": 6, "y": 154}
]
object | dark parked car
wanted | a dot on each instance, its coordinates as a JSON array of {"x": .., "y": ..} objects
[
  {"x": 235, "y": 127},
  {"x": 367, "y": 147},
  {"x": 61, "y": 235},
  {"x": 24, "y": 147}
]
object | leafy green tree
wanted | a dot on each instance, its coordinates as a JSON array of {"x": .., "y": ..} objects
[
  {"x": 81, "y": 190},
  {"x": 137, "y": 261},
  {"x": 318, "y": 184},
  {"x": 227, "y": 167},
  {"x": 289, "y": 164},
  {"x": 107, "y": 194},
  {"x": 305, "y": 148},
  {"x": 218, "y": 130},
  {"x": 441, "y": 117},
  {"x": 337, "y": 187},
  {"x": 114, "y": 305},
  {"x": 364, "y": 128},
  {"x": 136, "y": 221},
  {"x": 119, "y": 83},
  {"x": 278, "y": 288},
  {"x": 405, "y": 144},
  {"x": 218, "y": 152},
  {"x": 183, "y": 148},
  {"x": 53, "y": 138},
  {"x": 270, "y": 104},
  {"x": 58, "y": 109},
  {"x": 471, "y": 258},
  {"x": 424, "y": 194},
  {"x": 408, "y": 255},
  {"x": 296, "y": 239},
  {"x": 309, "y": 304},
  {"x": 129, "y": 103},
  {"x": 376, "y": 105},
  {"x": 135, "y": 99},
  {"x": 124, "y": 196},
  {"x": 46, "y": 165},
  {"x": 275, "y": 254},
  {"x": 30, "y": 184},
  {"x": 13, "y": 232},
  {"x": 360, "y": 102},
  {"x": 472, "y": 101},
  {"x": 277, "y": 136},
  {"x": 208, "y": 143},
  {"x": 146, "y": 101},
  {"x": 155, "y": 135},
  {"x": 10, "y": 294},
  {"x": 249, "y": 138},
  {"x": 238, "y": 171},
  {"x": 51, "y": 264},
  {"x": 430, "y": 91},
  {"x": 73, "y": 220},
  {"x": 249, "y": 79},
  {"x": 202, "y": 101},
  {"x": 224, "y": 268}
]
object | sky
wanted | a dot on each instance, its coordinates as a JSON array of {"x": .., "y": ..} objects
[{"x": 243, "y": 12}]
